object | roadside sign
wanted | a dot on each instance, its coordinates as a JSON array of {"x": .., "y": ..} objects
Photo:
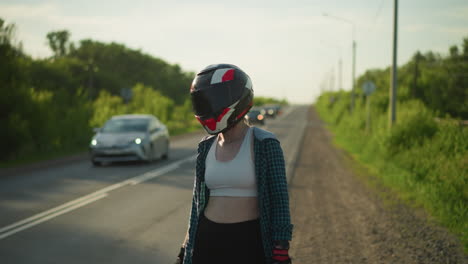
[
  {"x": 126, "y": 94},
  {"x": 368, "y": 87}
]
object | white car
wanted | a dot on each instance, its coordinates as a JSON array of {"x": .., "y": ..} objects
[{"x": 128, "y": 138}]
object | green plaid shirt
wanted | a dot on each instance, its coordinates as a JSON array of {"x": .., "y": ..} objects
[{"x": 272, "y": 190}]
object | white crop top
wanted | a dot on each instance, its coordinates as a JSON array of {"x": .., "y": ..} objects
[{"x": 234, "y": 178}]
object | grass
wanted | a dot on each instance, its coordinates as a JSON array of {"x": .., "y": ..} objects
[{"x": 425, "y": 163}]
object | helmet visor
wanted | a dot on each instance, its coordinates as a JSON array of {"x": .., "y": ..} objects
[{"x": 210, "y": 102}]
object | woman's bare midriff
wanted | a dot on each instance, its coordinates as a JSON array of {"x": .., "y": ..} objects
[{"x": 225, "y": 209}]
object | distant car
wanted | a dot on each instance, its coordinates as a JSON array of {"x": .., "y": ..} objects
[
  {"x": 129, "y": 138},
  {"x": 255, "y": 116},
  {"x": 271, "y": 111}
]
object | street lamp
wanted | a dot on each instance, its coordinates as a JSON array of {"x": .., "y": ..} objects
[{"x": 354, "y": 55}]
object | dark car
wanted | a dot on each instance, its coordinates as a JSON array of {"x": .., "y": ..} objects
[
  {"x": 255, "y": 116},
  {"x": 128, "y": 138},
  {"x": 271, "y": 111}
]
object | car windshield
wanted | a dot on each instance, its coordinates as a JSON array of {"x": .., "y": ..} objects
[
  {"x": 125, "y": 125},
  {"x": 254, "y": 113}
]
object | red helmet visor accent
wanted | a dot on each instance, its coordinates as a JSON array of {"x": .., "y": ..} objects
[
  {"x": 245, "y": 111},
  {"x": 211, "y": 122}
]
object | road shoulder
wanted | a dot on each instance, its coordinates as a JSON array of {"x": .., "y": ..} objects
[{"x": 340, "y": 219}]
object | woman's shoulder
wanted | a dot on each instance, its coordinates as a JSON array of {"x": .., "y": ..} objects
[
  {"x": 262, "y": 134},
  {"x": 259, "y": 134},
  {"x": 207, "y": 138},
  {"x": 205, "y": 143}
]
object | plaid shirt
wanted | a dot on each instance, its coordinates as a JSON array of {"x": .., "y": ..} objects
[{"x": 272, "y": 190}]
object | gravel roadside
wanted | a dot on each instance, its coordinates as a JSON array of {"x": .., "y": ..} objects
[{"x": 339, "y": 219}]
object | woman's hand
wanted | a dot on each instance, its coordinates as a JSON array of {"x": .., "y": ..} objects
[
  {"x": 281, "y": 253},
  {"x": 180, "y": 257}
]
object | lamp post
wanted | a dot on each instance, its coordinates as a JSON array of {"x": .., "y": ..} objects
[{"x": 354, "y": 55}]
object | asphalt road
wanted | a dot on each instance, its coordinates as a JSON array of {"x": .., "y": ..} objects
[{"x": 120, "y": 213}]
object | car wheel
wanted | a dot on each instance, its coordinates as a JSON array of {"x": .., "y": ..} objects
[
  {"x": 166, "y": 154},
  {"x": 151, "y": 154},
  {"x": 96, "y": 163}
]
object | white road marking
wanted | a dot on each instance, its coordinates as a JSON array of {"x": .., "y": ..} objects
[
  {"x": 44, "y": 214},
  {"x": 48, "y": 217},
  {"x": 87, "y": 199}
]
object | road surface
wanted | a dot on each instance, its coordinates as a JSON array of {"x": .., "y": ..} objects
[
  {"x": 339, "y": 218},
  {"x": 137, "y": 213},
  {"x": 124, "y": 213}
]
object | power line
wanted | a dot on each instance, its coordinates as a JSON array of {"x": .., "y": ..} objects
[{"x": 377, "y": 15}]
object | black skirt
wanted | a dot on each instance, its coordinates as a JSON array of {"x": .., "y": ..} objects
[{"x": 235, "y": 243}]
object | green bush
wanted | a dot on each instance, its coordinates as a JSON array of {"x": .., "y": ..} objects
[
  {"x": 416, "y": 125},
  {"x": 145, "y": 100},
  {"x": 422, "y": 159}
]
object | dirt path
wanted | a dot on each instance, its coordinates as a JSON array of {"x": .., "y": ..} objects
[{"x": 338, "y": 219}]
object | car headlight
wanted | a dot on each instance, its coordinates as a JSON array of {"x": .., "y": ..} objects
[
  {"x": 94, "y": 142},
  {"x": 138, "y": 141}
]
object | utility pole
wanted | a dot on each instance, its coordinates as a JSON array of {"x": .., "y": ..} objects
[
  {"x": 353, "y": 85},
  {"x": 393, "y": 87},
  {"x": 368, "y": 113},
  {"x": 332, "y": 80},
  {"x": 353, "y": 89},
  {"x": 340, "y": 75},
  {"x": 92, "y": 69}
]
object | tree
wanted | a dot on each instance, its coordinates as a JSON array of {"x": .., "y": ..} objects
[
  {"x": 58, "y": 41},
  {"x": 120, "y": 67},
  {"x": 465, "y": 48},
  {"x": 15, "y": 105},
  {"x": 6, "y": 32}
]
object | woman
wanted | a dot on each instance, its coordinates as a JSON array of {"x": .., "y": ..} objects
[{"x": 240, "y": 207}]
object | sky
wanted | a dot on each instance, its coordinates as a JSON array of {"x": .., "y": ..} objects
[{"x": 289, "y": 48}]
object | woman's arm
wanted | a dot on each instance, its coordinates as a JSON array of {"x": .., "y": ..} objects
[
  {"x": 281, "y": 227},
  {"x": 278, "y": 190},
  {"x": 193, "y": 213},
  {"x": 184, "y": 244}
]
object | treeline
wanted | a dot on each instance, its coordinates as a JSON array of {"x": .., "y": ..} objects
[
  {"x": 51, "y": 105},
  {"x": 424, "y": 155},
  {"x": 440, "y": 82},
  {"x": 260, "y": 100}
]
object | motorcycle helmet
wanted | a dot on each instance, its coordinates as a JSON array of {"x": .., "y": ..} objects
[{"x": 221, "y": 96}]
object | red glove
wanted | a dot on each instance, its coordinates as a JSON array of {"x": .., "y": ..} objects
[{"x": 281, "y": 253}]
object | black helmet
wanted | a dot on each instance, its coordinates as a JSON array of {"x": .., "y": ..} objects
[{"x": 221, "y": 96}]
